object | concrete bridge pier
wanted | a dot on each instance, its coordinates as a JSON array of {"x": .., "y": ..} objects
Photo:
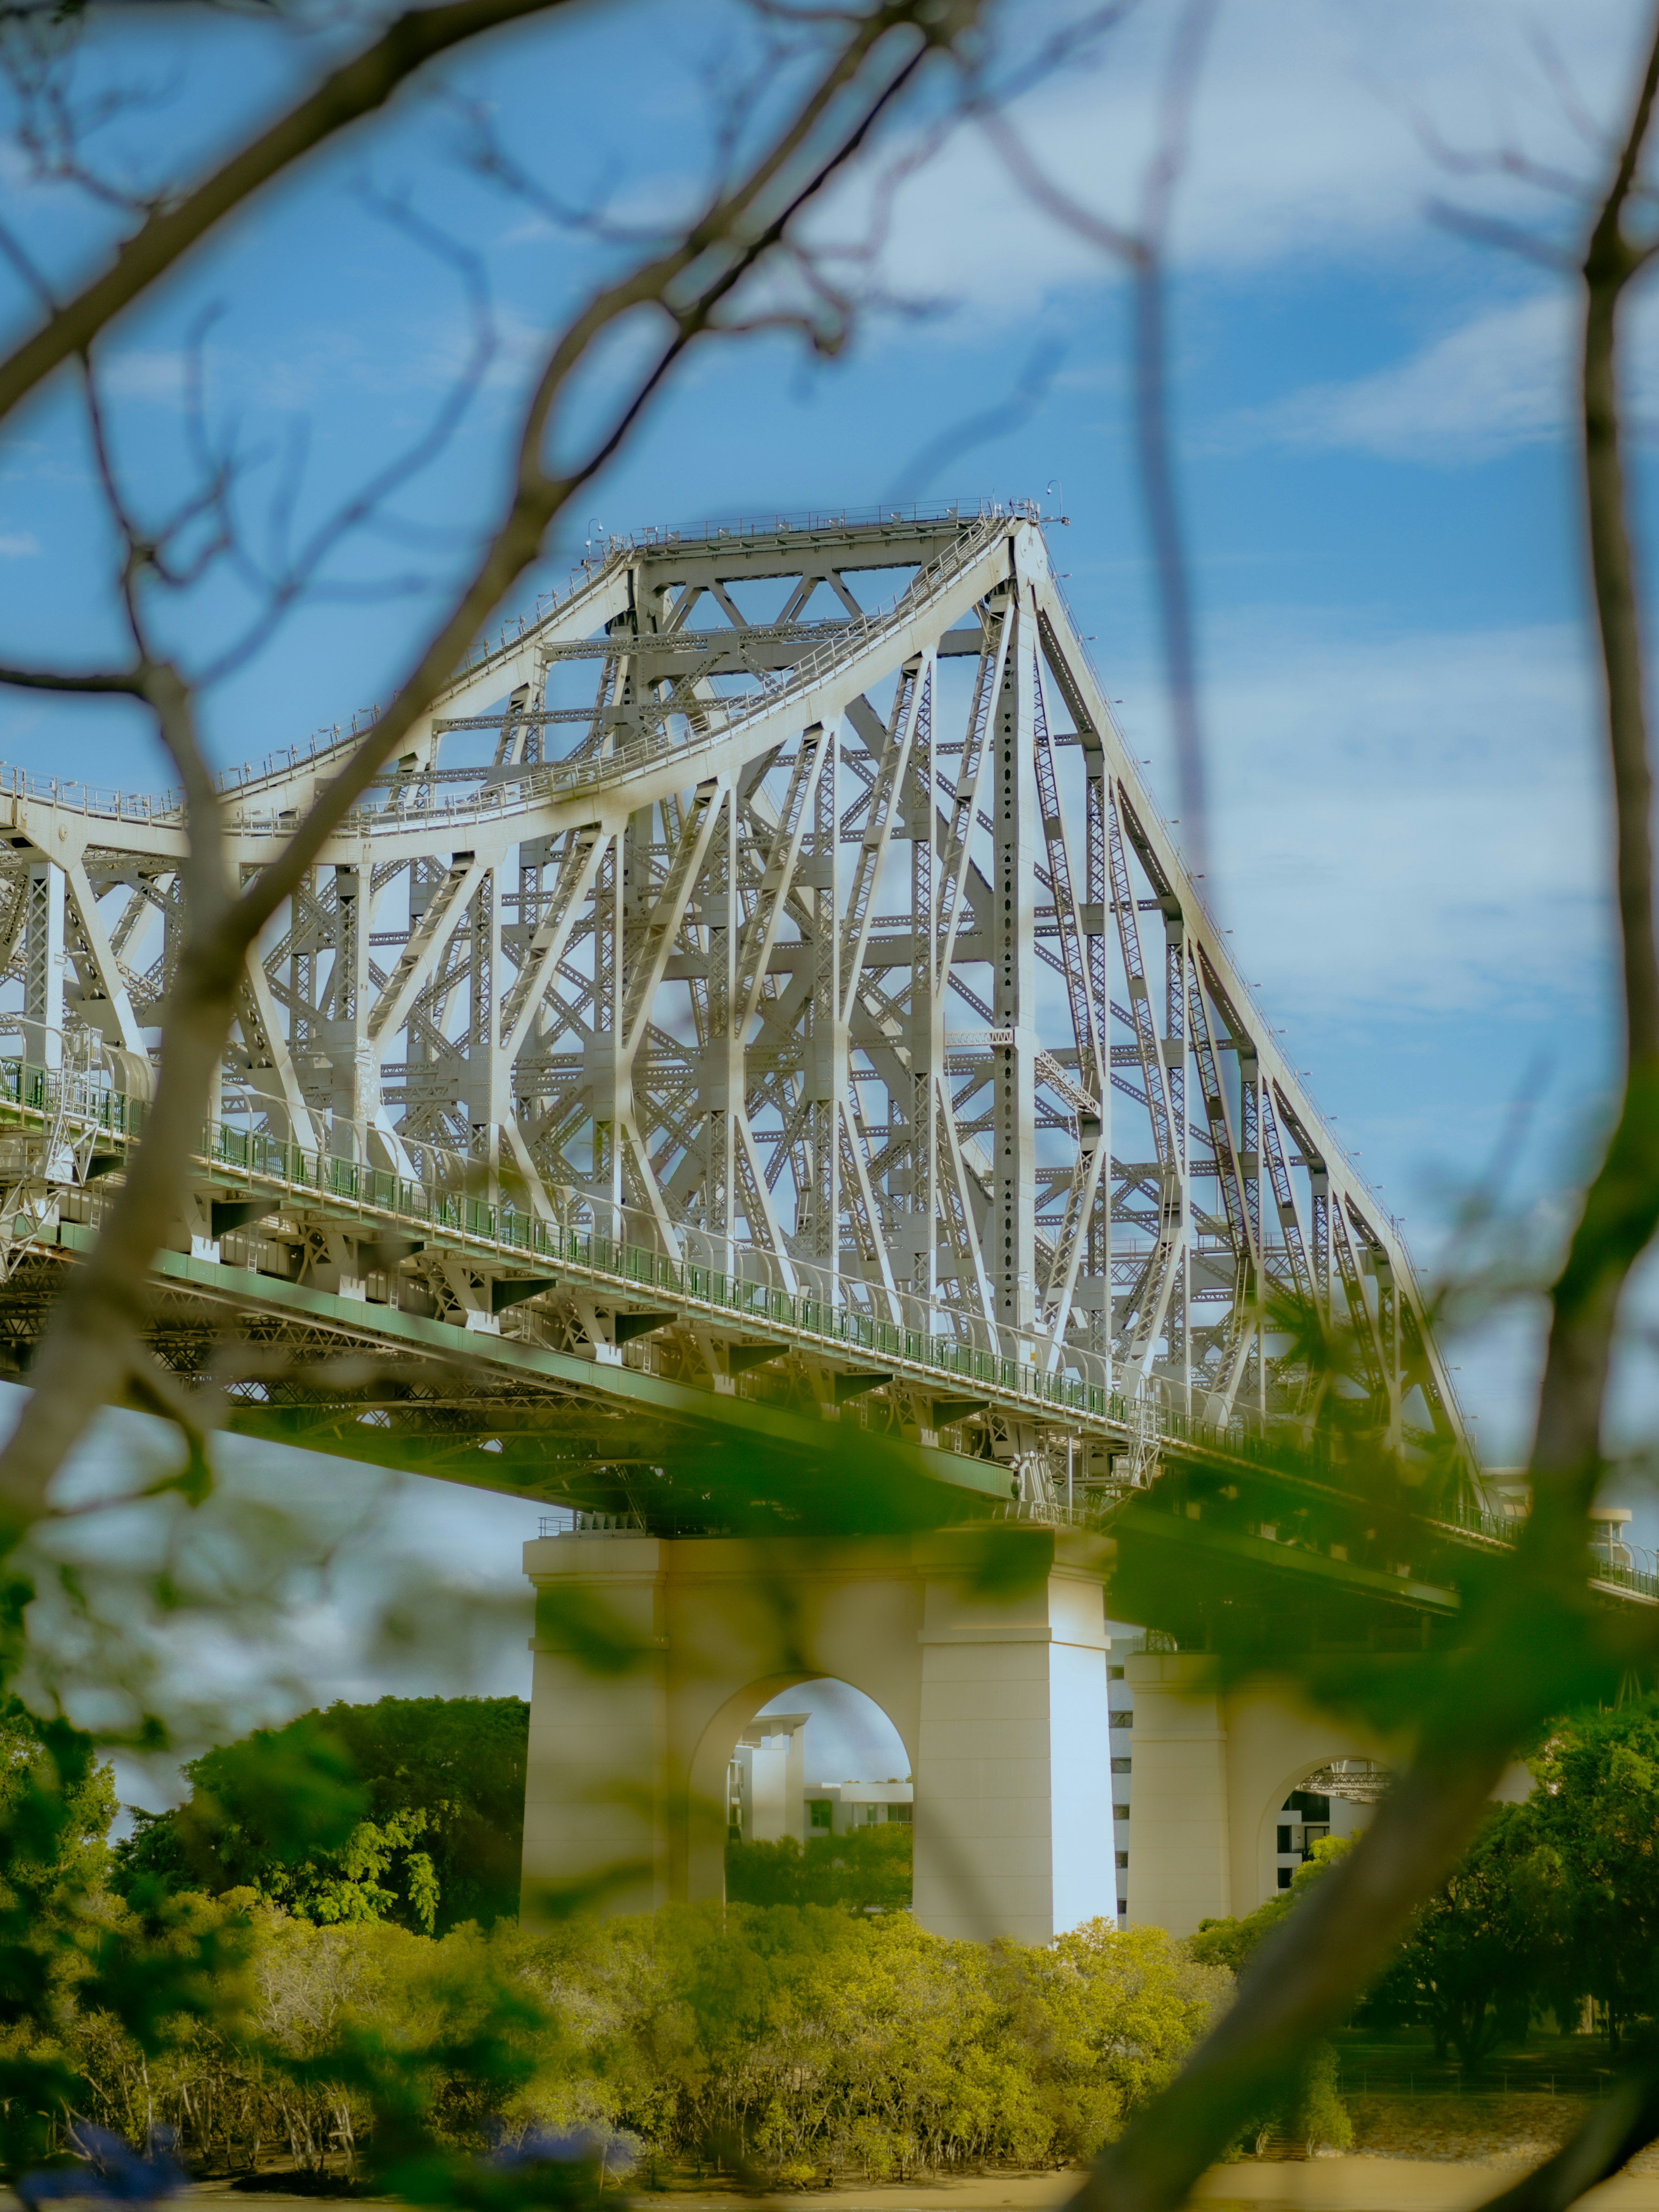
[
  {"x": 1212, "y": 1769},
  {"x": 654, "y": 1653}
]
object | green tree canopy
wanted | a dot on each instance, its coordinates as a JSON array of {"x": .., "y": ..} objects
[
  {"x": 57, "y": 1801},
  {"x": 1476, "y": 1960},
  {"x": 1230, "y": 1943},
  {"x": 411, "y": 1809},
  {"x": 1595, "y": 1810},
  {"x": 866, "y": 1869}
]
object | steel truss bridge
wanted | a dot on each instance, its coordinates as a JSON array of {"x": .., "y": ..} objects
[{"x": 762, "y": 989}]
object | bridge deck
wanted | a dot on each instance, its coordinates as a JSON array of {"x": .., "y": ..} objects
[{"x": 478, "y": 1398}]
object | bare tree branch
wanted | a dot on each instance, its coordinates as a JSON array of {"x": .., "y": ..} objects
[
  {"x": 282, "y": 590},
  {"x": 91, "y": 680},
  {"x": 91, "y": 1344},
  {"x": 1623, "y": 2122},
  {"x": 1508, "y": 237},
  {"x": 1143, "y": 251},
  {"x": 719, "y": 235},
  {"x": 1540, "y": 1633},
  {"x": 1008, "y": 414},
  {"x": 357, "y": 88}
]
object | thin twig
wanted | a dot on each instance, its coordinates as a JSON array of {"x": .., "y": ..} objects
[
  {"x": 1143, "y": 251},
  {"x": 91, "y": 1343},
  {"x": 1625, "y": 2121},
  {"x": 1540, "y": 1631},
  {"x": 350, "y": 93}
]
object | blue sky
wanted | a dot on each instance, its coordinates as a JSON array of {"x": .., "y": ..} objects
[{"x": 1373, "y": 417}]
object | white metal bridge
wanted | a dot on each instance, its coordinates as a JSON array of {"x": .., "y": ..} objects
[{"x": 763, "y": 979}]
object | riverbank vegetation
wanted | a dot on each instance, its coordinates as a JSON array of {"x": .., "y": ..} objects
[
  {"x": 795, "y": 2042},
  {"x": 1551, "y": 1920}
]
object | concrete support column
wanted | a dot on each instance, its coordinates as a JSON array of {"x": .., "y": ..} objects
[
  {"x": 1013, "y": 1810},
  {"x": 597, "y": 1756},
  {"x": 1180, "y": 1862},
  {"x": 986, "y": 1649},
  {"x": 776, "y": 1784}
]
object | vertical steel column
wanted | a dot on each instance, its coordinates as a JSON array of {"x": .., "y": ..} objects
[
  {"x": 1319, "y": 1180},
  {"x": 924, "y": 1035},
  {"x": 1254, "y": 1288},
  {"x": 303, "y": 960},
  {"x": 635, "y": 895},
  {"x": 826, "y": 1052},
  {"x": 1012, "y": 1259},
  {"x": 723, "y": 1070},
  {"x": 603, "y": 1037},
  {"x": 355, "y": 1092},
  {"x": 43, "y": 966},
  {"x": 488, "y": 1107},
  {"x": 1097, "y": 1254},
  {"x": 1176, "y": 1199}
]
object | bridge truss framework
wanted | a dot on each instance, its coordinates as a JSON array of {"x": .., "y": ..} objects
[{"x": 763, "y": 977}]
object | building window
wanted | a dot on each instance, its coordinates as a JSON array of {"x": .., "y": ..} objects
[
  {"x": 1124, "y": 1718},
  {"x": 1284, "y": 1843},
  {"x": 1285, "y": 1874},
  {"x": 1123, "y": 1859},
  {"x": 904, "y": 1815},
  {"x": 1123, "y": 1908},
  {"x": 1120, "y": 1766},
  {"x": 1114, "y": 1674},
  {"x": 820, "y": 1813},
  {"x": 872, "y": 1814},
  {"x": 1120, "y": 1812}
]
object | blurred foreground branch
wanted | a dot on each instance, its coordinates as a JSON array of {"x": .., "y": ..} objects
[
  {"x": 1536, "y": 1645},
  {"x": 683, "y": 293}
]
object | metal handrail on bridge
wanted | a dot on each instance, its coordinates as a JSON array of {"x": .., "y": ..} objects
[
  {"x": 521, "y": 1238},
  {"x": 1503, "y": 1528},
  {"x": 540, "y": 780},
  {"x": 517, "y": 1237}
]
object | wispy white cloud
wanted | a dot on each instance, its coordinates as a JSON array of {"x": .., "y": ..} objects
[
  {"x": 1405, "y": 825},
  {"x": 18, "y": 545},
  {"x": 1502, "y": 379},
  {"x": 1312, "y": 140}
]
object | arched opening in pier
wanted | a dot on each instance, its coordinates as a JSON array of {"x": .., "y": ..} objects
[
  {"x": 819, "y": 1800},
  {"x": 1334, "y": 1797}
]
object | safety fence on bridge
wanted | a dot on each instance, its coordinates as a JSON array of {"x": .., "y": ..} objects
[
  {"x": 70, "y": 1100},
  {"x": 1505, "y": 1527},
  {"x": 80, "y": 1107}
]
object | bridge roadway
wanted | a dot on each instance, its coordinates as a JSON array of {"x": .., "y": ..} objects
[
  {"x": 598, "y": 1100},
  {"x": 291, "y": 1290}
]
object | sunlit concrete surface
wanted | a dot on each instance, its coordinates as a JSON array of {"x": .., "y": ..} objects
[
  {"x": 654, "y": 1654},
  {"x": 1212, "y": 1768}
]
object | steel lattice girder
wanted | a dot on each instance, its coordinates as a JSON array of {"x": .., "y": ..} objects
[{"x": 726, "y": 912}]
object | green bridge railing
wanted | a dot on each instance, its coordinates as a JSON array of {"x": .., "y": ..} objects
[{"x": 528, "y": 1239}]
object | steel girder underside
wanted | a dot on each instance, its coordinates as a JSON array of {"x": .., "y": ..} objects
[{"x": 782, "y": 912}]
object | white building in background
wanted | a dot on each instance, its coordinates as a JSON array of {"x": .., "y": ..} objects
[
  {"x": 1609, "y": 1525},
  {"x": 1121, "y": 1712},
  {"x": 834, "y": 1807},
  {"x": 1336, "y": 1800},
  {"x": 767, "y": 1792},
  {"x": 769, "y": 1797}
]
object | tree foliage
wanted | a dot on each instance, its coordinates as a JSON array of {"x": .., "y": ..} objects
[
  {"x": 1556, "y": 1901},
  {"x": 1595, "y": 1812},
  {"x": 868, "y": 1869},
  {"x": 799, "y": 2041},
  {"x": 411, "y": 1809},
  {"x": 1482, "y": 1953}
]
